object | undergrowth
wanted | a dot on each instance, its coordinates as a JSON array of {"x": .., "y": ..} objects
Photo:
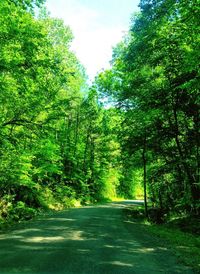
[
  {"x": 180, "y": 233},
  {"x": 13, "y": 211}
]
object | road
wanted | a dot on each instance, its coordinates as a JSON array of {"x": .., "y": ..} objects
[{"x": 90, "y": 240}]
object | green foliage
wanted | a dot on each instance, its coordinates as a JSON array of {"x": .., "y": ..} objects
[
  {"x": 136, "y": 127},
  {"x": 154, "y": 80},
  {"x": 11, "y": 211},
  {"x": 22, "y": 212},
  {"x": 57, "y": 142}
]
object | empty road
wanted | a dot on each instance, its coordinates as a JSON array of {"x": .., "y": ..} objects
[{"x": 93, "y": 239}]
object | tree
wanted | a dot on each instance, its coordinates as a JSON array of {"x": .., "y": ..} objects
[
  {"x": 154, "y": 73},
  {"x": 41, "y": 82}
]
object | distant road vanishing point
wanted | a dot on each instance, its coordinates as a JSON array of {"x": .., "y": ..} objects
[{"x": 92, "y": 239}]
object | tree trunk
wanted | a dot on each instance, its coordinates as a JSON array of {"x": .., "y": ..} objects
[
  {"x": 145, "y": 176},
  {"x": 86, "y": 151}
]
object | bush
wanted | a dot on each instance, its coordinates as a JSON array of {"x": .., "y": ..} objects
[{"x": 21, "y": 212}]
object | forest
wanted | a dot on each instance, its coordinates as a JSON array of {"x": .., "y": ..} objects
[{"x": 132, "y": 133}]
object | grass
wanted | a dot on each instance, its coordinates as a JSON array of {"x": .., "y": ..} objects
[
  {"x": 180, "y": 234},
  {"x": 185, "y": 245}
]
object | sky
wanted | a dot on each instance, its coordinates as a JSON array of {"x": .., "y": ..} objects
[{"x": 97, "y": 26}]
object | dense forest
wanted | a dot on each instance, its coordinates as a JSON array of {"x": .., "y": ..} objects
[
  {"x": 134, "y": 133},
  {"x": 154, "y": 81}
]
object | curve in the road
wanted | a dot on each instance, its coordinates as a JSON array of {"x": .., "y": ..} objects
[{"x": 90, "y": 240}]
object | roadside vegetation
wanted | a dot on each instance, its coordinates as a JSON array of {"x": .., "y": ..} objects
[
  {"x": 133, "y": 133},
  {"x": 58, "y": 145},
  {"x": 181, "y": 233}
]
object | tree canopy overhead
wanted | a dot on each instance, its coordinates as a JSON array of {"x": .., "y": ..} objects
[
  {"x": 155, "y": 81},
  {"x": 61, "y": 144}
]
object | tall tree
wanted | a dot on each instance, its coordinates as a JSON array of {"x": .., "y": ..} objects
[{"x": 154, "y": 73}]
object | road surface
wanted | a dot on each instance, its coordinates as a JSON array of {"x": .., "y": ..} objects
[{"x": 90, "y": 240}]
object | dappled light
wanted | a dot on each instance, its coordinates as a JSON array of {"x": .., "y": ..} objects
[
  {"x": 121, "y": 263},
  {"x": 79, "y": 240},
  {"x": 60, "y": 219},
  {"x": 43, "y": 239},
  {"x": 72, "y": 150}
]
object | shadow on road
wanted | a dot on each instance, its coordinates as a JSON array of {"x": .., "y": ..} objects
[{"x": 85, "y": 240}]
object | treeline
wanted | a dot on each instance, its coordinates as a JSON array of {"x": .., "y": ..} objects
[
  {"x": 154, "y": 82},
  {"x": 57, "y": 144},
  {"x": 133, "y": 133}
]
